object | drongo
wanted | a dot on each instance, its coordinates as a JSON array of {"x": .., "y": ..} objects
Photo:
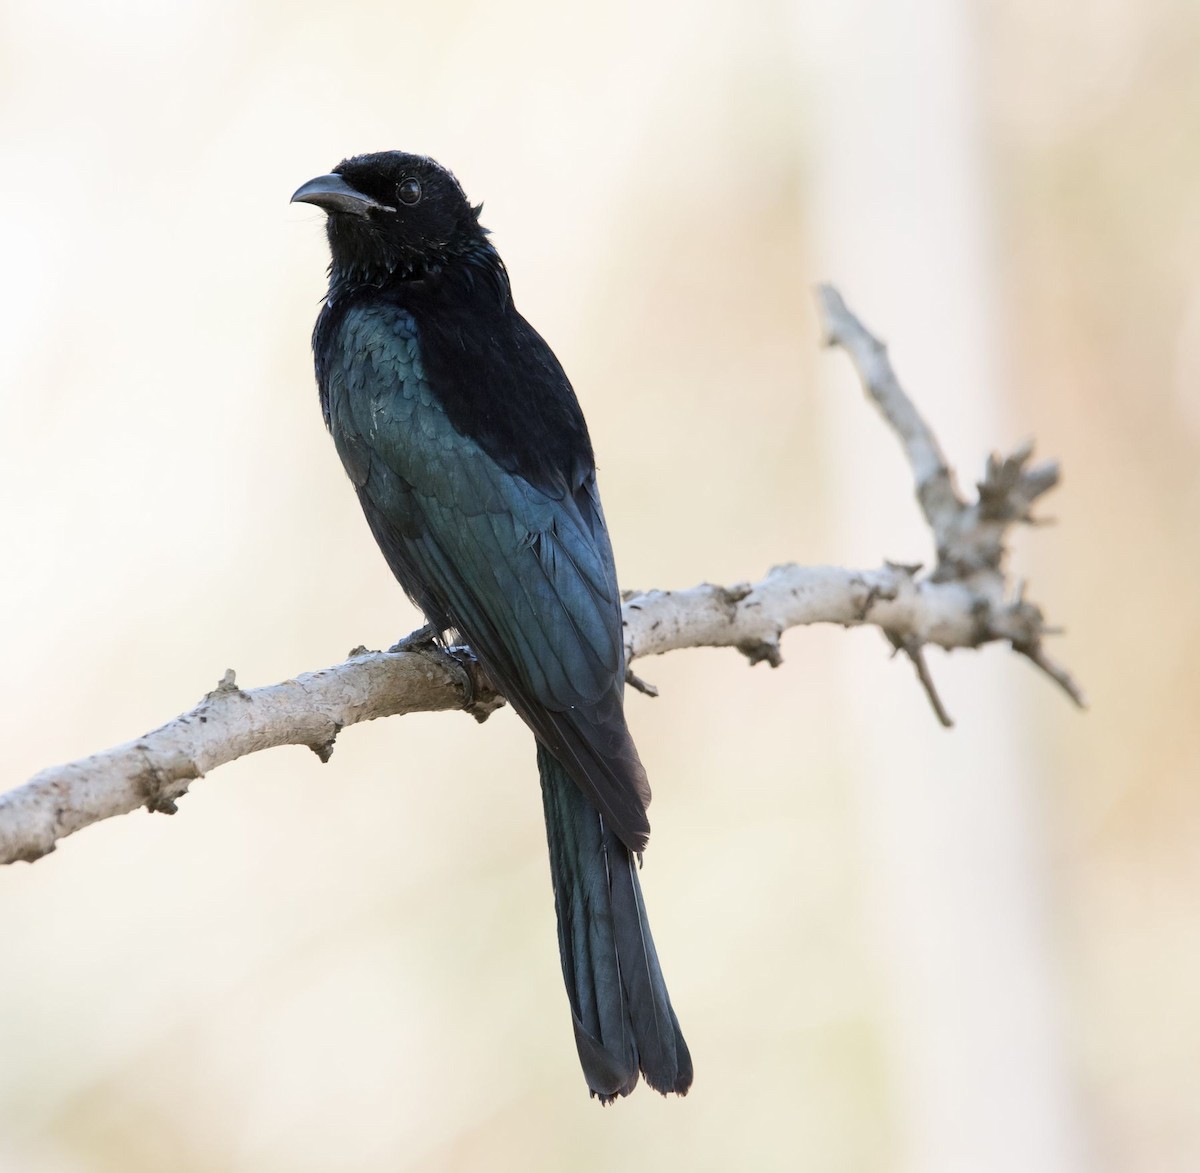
[{"x": 469, "y": 453}]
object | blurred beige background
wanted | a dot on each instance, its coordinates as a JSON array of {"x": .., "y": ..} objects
[{"x": 891, "y": 947}]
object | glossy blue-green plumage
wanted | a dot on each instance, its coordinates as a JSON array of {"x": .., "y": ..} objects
[{"x": 525, "y": 572}]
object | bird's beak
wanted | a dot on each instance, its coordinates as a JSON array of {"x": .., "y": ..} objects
[{"x": 334, "y": 194}]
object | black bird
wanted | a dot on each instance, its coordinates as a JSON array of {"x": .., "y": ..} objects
[{"x": 472, "y": 462}]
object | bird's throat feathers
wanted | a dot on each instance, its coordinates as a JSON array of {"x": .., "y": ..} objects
[{"x": 365, "y": 256}]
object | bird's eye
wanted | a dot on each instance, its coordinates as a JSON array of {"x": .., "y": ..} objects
[{"x": 409, "y": 191}]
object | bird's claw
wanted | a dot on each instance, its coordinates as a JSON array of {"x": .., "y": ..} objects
[{"x": 480, "y": 697}]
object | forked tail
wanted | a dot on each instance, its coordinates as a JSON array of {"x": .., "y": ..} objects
[{"x": 619, "y": 1002}]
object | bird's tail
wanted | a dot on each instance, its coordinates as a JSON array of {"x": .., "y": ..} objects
[{"x": 619, "y": 1001}]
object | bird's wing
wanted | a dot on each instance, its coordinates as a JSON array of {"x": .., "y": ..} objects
[{"x": 525, "y": 573}]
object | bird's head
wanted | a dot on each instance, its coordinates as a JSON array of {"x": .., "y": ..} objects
[{"x": 392, "y": 215}]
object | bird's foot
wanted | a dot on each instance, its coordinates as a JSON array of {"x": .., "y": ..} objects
[{"x": 480, "y": 697}]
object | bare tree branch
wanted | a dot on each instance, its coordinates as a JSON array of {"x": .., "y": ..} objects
[
  {"x": 963, "y": 603},
  {"x": 936, "y": 491},
  {"x": 970, "y": 536}
]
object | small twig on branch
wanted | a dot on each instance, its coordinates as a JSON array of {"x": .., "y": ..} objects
[
  {"x": 962, "y": 603},
  {"x": 970, "y": 536},
  {"x": 916, "y": 654},
  {"x": 936, "y": 491}
]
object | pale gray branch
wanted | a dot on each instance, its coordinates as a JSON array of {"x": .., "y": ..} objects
[
  {"x": 963, "y": 603},
  {"x": 971, "y": 537},
  {"x": 936, "y": 490},
  {"x": 228, "y": 723}
]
